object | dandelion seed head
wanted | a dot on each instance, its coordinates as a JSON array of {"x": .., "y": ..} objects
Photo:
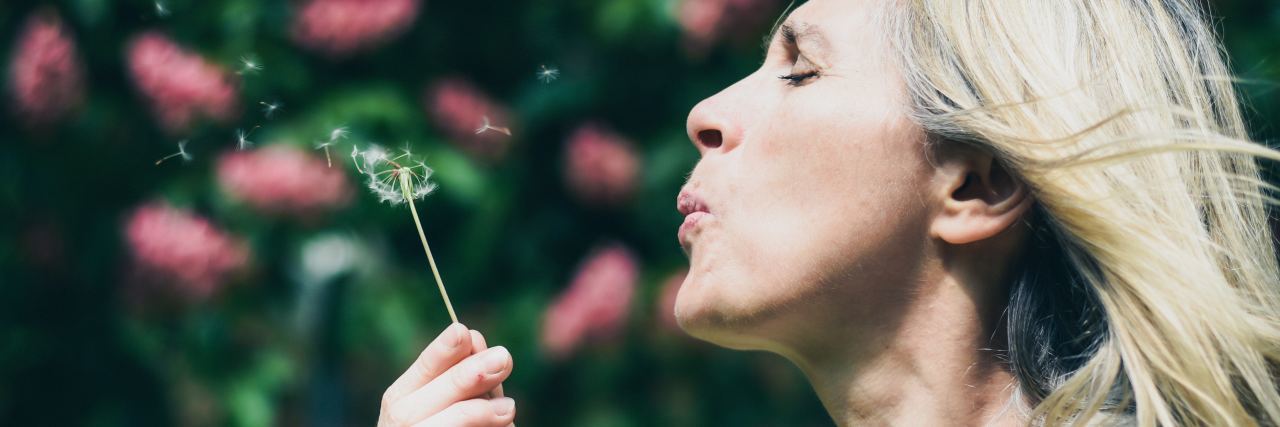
[
  {"x": 394, "y": 180},
  {"x": 406, "y": 152},
  {"x": 374, "y": 156}
]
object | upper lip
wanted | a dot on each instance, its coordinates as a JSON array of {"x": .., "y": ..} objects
[{"x": 688, "y": 202}]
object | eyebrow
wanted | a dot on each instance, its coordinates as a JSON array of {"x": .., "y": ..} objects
[{"x": 796, "y": 33}]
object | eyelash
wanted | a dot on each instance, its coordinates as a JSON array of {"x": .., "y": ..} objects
[{"x": 797, "y": 79}]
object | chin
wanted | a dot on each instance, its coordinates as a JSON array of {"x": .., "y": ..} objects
[{"x": 709, "y": 309}]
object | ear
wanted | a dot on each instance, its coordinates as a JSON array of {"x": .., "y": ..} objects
[{"x": 980, "y": 198}]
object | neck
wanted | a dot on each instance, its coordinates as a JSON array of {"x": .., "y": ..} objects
[{"x": 939, "y": 366}]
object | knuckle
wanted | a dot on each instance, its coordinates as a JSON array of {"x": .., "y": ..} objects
[
  {"x": 394, "y": 419},
  {"x": 466, "y": 379},
  {"x": 386, "y": 401},
  {"x": 426, "y": 366},
  {"x": 476, "y": 412}
]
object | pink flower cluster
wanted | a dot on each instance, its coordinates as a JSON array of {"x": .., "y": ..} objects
[
  {"x": 338, "y": 28},
  {"x": 45, "y": 72},
  {"x": 459, "y": 109},
  {"x": 174, "y": 245},
  {"x": 595, "y": 306},
  {"x": 601, "y": 167},
  {"x": 181, "y": 86},
  {"x": 283, "y": 179},
  {"x": 706, "y": 22}
]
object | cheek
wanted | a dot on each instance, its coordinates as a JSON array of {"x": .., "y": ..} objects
[
  {"x": 831, "y": 180},
  {"x": 810, "y": 204}
]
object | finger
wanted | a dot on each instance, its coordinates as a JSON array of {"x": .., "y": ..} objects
[
  {"x": 477, "y": 342},
  {"x": 451, "y": 346},
  {"x": 469, "y": 379},
  {"x": 478, "y": 345},
  {"x": 475, "y": 413}
]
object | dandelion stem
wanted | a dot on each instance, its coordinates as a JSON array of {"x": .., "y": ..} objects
[{"x": 405, "y": 187}]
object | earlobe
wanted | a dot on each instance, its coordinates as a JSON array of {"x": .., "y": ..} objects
[{"x": 980, "y": 198}]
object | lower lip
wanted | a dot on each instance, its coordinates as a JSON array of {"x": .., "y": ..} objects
[{"x": 690, "y": 221}]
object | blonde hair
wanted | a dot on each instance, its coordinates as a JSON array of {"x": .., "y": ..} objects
[{"x": 1150, "y": 290}]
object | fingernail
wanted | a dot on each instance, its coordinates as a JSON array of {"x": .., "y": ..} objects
[
  {"x": 503, "y": 406},
  {"x": 458, "y": 333},
  {"x": 495, "y": 360}
]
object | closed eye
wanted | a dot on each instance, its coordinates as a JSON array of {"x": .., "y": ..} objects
[
  {"x": 802, "y": 70},
  {"x": 798, "y": 79}
]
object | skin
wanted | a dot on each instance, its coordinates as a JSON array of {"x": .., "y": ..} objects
[
  {"x": 833, "y": 238},
  {"x": 836, "y": 239},
  {"x": 456, "y": 381}
]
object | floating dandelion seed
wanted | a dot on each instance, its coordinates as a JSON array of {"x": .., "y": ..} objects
[
  {"x": 401, "y": 179},
  {"x": 182, "y": 151},
  {"x": 242, "y": 138},
  {"x": 548, "y": 75},
  {"x": 336, "y": 134},
  {"x": 485, "y": 126},
  {"x": 249, "y": 65},
  {"x": 270, "y": 108},
  {"x": 161, "y": 10},
  {"x": 325, "y": 145}
]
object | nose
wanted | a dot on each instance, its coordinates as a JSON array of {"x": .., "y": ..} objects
[{"x": 712, "y": 126}]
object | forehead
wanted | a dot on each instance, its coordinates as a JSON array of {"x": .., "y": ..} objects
[{"x": 851, "y": 26}]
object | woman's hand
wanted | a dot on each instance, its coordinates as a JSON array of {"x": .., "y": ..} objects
[{"x": 456, "y": 381}]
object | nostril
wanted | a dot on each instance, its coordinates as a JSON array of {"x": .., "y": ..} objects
[{"x": 709, "y": 138}]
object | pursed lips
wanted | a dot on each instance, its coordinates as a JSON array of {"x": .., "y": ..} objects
[{"x": 694, "y": 210}]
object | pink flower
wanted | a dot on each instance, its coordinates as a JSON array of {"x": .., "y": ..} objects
[
  {"x": 181, "y": 86},
  {"x": 174, "y": 245},
  {"x": 595, "y": 305},
  {"x": 45, "y": 73},
  {"x": 459, "y": 109},
  {"x": 706, "y": 22},
  {"x": 601, "y": 167},
  {"x": 338, "y": 28},
  {"x": 283, "y": 179},
  {"x": 667, "y": 299}
]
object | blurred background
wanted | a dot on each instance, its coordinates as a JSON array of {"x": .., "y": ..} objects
[{"x": 185, "y": 238}]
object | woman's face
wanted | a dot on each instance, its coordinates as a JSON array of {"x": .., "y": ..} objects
[{"x": 813, "y": 184}]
